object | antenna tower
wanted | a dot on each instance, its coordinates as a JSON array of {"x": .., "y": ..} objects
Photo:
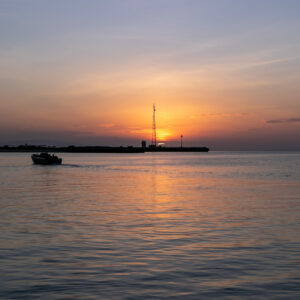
[{"x": 154, "y": 127}]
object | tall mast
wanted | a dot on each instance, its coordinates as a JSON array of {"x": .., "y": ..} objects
[{"x": 154, "y": 127}]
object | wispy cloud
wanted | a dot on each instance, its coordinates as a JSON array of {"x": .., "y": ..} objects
[
  {"x": 237, "y": 114},
  {"x": 107, "y": 125},
  {"x": 280, "y": 121}
]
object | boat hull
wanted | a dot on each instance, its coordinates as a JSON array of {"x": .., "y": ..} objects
[{"x": 38, "y": 160}]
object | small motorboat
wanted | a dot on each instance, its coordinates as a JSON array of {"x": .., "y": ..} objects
[{"x": 45, "y": 158}]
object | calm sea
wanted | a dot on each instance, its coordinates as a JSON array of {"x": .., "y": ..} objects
[{"x": 218, "y": 225}]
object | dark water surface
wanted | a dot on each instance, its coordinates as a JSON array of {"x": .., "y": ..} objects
[{"x": 216, "y": 225}]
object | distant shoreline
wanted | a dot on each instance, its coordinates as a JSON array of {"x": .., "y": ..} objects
[{"x": 100, "y": 149}]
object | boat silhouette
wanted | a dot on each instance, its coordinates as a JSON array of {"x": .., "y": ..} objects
[{"x": 45, "y": 158}]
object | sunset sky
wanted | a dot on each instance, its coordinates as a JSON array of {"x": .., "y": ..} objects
[{"x": 225, "y": 74}]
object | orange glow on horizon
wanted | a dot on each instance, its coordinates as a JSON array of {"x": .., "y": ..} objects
[{"x": 163, "y": 135}]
